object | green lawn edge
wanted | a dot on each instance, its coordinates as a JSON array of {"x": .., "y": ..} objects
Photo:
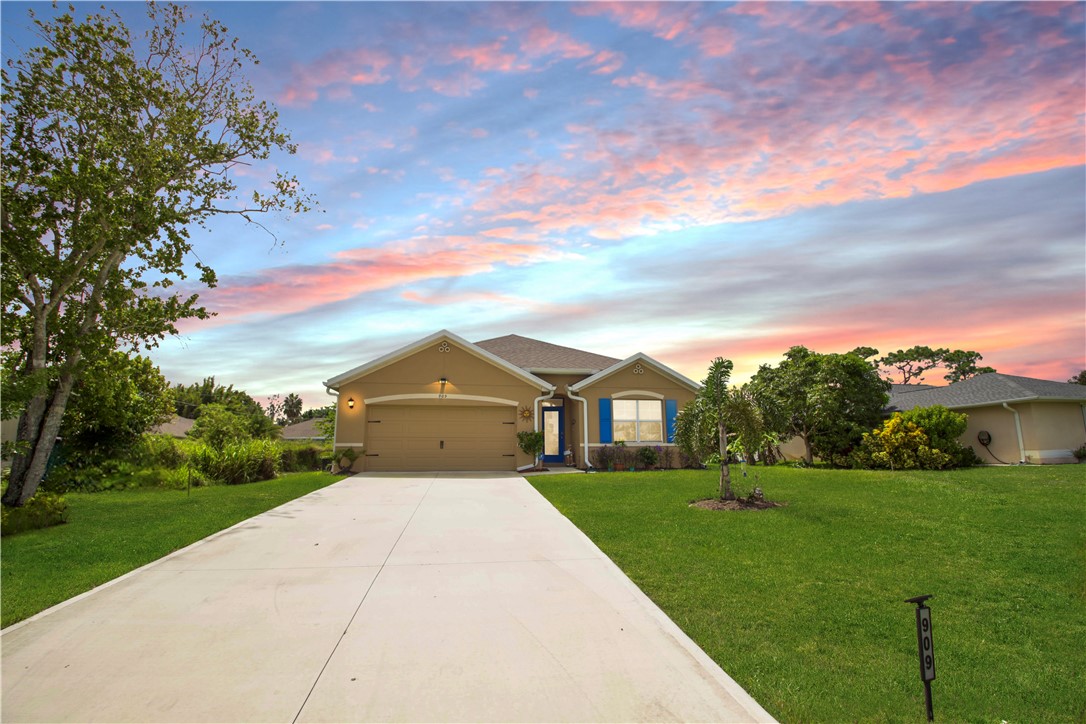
[
  {"x": 109, "y": 534},
  {"x": 804, "y": 605}
]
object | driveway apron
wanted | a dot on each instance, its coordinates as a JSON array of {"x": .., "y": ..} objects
[{"x": 424, "y": 597}]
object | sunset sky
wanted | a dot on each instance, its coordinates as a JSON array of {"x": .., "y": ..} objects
[{"x": 684, "y": 180}]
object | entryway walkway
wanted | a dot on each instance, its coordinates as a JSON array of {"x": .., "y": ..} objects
[{"x": 423, "y": 597}]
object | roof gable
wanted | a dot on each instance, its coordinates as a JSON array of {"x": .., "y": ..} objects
[
  {"x": 444, "y": 335},
  {"x": 644, "y": 359},
  {"x": 538, "y": 356},
  {"x": 992, "y": 388}
]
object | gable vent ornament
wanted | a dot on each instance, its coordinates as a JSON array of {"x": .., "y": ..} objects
[
  {"x": 638, "y": 369},
  {"x": 444, "y": 347}
]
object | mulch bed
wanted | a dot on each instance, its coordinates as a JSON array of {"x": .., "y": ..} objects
[{"x": 740, "y": 504}]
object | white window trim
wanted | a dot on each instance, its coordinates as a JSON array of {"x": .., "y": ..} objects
[
  {"x": 637, "y": 393},
  {"x": 637, "y": 424}
]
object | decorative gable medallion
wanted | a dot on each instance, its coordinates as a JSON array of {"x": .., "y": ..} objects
[
  {"x": 638, "y": 369},
  {"x": 444, "y": 347}
]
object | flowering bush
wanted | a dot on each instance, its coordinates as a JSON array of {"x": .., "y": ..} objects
[{"x": 920, "y": 439}]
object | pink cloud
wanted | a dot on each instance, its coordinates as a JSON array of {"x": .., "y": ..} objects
[
  {"x": 489, "y": 57},
  {"x": 665, "y": 20},
  {"x": 351, "y": 273},
  {"x": 360, "y": 66}
]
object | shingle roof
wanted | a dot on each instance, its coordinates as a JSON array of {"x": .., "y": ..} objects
[
  {"x": 176, "y": 427},
  {"x": 532, "y": 354},
  {"x": 304, "y": 430},
  {"x": 988, "y": 389}
]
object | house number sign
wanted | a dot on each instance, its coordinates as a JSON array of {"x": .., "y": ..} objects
[{"x": 926, "y": 648}]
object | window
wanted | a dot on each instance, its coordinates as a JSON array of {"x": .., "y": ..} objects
[{"x": 638, "y": 420}]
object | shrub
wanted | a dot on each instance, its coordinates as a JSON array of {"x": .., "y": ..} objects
[
  {"x": 300, "y": 457},
  {"x": 161, "y": 451},
  {"x": 530, "y": 443},
  {"x": 943, "y": 428},
  {"x": 901, "y": 444},
  {"x": 603, "y": 458},
  {"x": 1079, "y": 453},
  {"x": 666, "y": 456},
  {"x": 647, "y": 457},
  {"x": 218, "y": 426},
  {"x": 238, "y": 462},
  {"x": 42, "y": 511}
]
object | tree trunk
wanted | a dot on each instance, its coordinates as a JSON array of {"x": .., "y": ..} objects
[
  {"x": 808, "y": 454},
  {"x": 38, "y": 428},
  {"x": 725, "y": 472}
]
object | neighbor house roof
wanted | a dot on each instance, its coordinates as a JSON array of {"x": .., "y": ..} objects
[
  {"x": 536, "y": 356},
  {"x": 992, "y": 388},
  {"x": 176, "y": 427},
  {"x": 304, "y": 430}
]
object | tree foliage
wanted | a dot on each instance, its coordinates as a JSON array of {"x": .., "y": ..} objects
[
  {"x": 292, "y": 408},
  {"x": 827, "y": 400},
  {"x": 114, "y": 147},
  {"x": 113, "y": 404},
  {"x": 961, "y": 364},
  {"x": 913, "y": 363},
  {"x": 1079, "y": 379},
  {"x": 218, "y": 425}
]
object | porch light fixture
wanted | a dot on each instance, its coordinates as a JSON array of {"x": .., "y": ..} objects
[
  {"x": 350, "y": 402},
  {"x": 441, "y": 393}
]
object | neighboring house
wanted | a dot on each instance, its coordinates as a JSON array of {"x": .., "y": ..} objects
[
  {"x": 176, "y": 427},
  {"x": 443, "y": 403},
  {"x": 1027, "y": 420},
  {"x": 304, "y": 430}
]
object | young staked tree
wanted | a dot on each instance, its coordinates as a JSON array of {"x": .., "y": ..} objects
[
  {"x": 717, "y": 403},
  {"x": 114, "y": 147}
]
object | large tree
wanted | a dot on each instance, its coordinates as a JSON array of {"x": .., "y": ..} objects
[
  {"x": 113, "y": 148},
  {"x": 961, "y": 364},
  {"x": 914, "y": 362},
  {"x": 827, "y": 400}
]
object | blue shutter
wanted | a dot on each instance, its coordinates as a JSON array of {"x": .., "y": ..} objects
[
  {"x": 605, "y": 420},
  {"x": 671, "y": 408}
]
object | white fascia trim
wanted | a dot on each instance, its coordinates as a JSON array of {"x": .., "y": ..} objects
[
  {"x": 637, "y": 393},
  {"x": 560, "y": 371},
  {"x": 639, "y": 357},
  {"x": 437, "y": 396},
  {"x": 402, "y": 352},
  {"x": 634, "y": 443}
]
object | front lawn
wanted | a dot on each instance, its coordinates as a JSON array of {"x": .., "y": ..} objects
[
  {"x": 803, "y": 605},
  {"x": 109, "y": 534}
]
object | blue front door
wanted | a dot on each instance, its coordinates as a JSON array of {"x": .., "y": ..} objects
[{"x": 554, "y": 435}]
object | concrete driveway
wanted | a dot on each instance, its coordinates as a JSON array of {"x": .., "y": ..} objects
[{"x": 431, "y": 597}]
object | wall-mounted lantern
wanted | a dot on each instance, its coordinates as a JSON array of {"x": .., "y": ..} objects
[
  {"x": 350, "y": 402},
  {"x": 441, "y": 393}
]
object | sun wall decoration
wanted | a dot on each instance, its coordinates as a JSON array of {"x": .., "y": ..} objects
[{"x": 525, "y": 414}]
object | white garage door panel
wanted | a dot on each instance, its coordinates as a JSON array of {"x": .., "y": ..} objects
[{"x": 440, "y": 437}]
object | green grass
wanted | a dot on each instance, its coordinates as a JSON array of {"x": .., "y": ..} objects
[
  {"x": 803, "y": 605},
  {"x": 109, "y": 534}
]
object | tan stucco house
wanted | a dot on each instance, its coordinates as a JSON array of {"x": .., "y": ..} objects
[
  {"x": 443, "y": 403},
  {"x": 1024, "y": 420}
]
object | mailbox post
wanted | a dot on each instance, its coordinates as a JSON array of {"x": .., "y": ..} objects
[{"x": 926, "y": 647}]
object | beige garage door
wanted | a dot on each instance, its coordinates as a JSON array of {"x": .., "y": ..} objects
[{"x": 440, "y": 437}]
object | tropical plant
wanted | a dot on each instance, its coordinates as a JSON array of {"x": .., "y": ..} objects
[{"x": 648, "y": 457}]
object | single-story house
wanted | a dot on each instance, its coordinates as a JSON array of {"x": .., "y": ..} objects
[
  {"x": 304, "y": 430},
  {"x": 443, "y": 403},
  {"x": 1011, "y": 419}
]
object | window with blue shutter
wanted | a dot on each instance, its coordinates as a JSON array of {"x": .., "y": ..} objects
[
  {"x": 671, "y": 409},
  {"x": 605, "y": 420}
]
